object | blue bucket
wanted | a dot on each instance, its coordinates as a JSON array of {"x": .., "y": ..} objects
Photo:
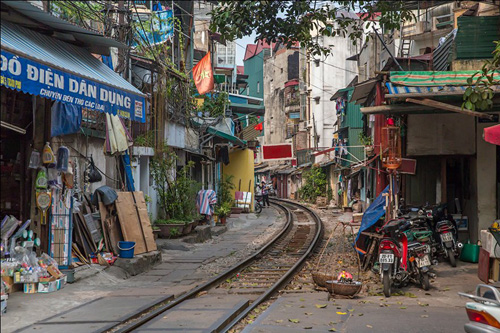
[{"x": 126, "y": 249}]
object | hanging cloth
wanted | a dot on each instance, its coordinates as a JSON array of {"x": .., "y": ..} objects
[
  {"x": 129, "y": 179},
  {"x": 118, "y": 139},
  {"x": 65, "y": 119}
]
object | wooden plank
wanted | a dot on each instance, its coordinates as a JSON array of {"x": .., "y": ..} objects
[
  {"x": 142, "y": 212},
  {"x": 129, "y": 221},
  {"x": 448, "y": 107},
  {"x": 111, "y": 227}
]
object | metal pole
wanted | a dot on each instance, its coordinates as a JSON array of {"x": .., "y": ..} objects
[{"x": 385, "y": 46}]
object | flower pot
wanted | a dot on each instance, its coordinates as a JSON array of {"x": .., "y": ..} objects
[
  {"x": 188, "y": 227},
  {"x": 167, "y": 230},
  {"x": 236, "y": 210},
  {"x": 223, "y": 219},
  {"x": 156, "y": 233}
]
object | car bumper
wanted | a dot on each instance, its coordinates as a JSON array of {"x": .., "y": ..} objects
[{"x": 480, "y": 328}]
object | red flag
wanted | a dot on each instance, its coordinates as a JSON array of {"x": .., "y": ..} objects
[{"x": 203, "y": 75}]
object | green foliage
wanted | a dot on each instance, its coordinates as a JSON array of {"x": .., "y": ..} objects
[
  {"x": 223, "y": 210},
  {"x": 314, "y": 184},
  {"x": 479, "y": 94},
  {"x": 176, "y": 190},
  {"x": 145, "y": 140},
  {"x": 365, "y": 140},
  {"x": 170, "y": 221},
  {"x": 215, "y": 105},
  {"x": 224, "y": 193},
  {"x": 174, "y": 232},
  {"x": 294, "y": 21}
]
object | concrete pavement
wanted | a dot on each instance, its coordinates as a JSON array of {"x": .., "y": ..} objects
[{"x": 179, "y": 271}]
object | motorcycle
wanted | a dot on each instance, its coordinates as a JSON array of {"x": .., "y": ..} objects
[
  {"x": 258, "y": 204},
  {"x": 400, "y": 261},
  {"x": 449, "y": 245}
]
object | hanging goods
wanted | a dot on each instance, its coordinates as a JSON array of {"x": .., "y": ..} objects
[
  {"x": 68, "y": 176},
  {"x": 34, "y": 160},
  {"x": 62, "y": 159},
  {"x": 43, "y": 201},
  {"x": 48, "y": 156},
  {"x": 94, "y": 174},
  {"x": 391, "y": 145},
  {"x": 41, "y": 179}
]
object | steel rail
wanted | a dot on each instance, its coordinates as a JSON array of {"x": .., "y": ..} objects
[
  {"x": 136, "y": 323},
  {"x": 289, "y": 274}
]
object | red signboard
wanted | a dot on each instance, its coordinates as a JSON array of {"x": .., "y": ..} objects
[
  {"x": 408, "y": 166},
  {"x": 281, "y": 151}
]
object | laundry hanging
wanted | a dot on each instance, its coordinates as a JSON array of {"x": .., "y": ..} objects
[{"x": 118, "y": 139}]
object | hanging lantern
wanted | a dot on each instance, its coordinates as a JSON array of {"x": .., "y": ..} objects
[{"x": 391, "y": 145}]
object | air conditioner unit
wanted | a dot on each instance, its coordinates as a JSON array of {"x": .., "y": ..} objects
[{"x": 302, "y": 126}]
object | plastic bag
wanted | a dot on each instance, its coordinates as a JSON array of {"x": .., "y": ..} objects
[
  {"x": 62, "y": 159},
  {"x": 94, "y": 174},
  {"x": 34, "y": 159}
]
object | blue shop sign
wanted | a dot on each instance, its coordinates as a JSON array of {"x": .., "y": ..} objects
[{"x": 32, "y": 77}]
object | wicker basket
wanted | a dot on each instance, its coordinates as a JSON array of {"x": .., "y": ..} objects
[
  {"x": 344, "y": 289},
  {"x": 320, "y": 278}
]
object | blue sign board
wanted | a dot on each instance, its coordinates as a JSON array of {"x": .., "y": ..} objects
[
  {"x": 161, "y": 28},
  {"x": 34, "y": 78}
]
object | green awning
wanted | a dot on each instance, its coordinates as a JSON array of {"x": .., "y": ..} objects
[
  {"x": 226, "y": 136},
  {"x": 247, "y": 108},
  {"x": 218, "y": 78}
]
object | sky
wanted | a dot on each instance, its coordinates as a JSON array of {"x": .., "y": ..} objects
[{"x": 240, "y": 51}]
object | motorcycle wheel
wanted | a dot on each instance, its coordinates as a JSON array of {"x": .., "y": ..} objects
[
  {"x": 424, "y": 281},
  {"x": 451, "y": 257},
  {"x": 258, "y": 208},
  {"x": 386, "y": 279}
]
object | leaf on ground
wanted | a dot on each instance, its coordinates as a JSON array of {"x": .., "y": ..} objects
[
  {"x": 339, "y": 307},
  {"x": 341, "y": 313},
  {"x": 295, "y": 321},
  {"x": 332, "y": 330},
  {"x": 321, "y": 306},
  {"x": 400, "y": 303},
  {"x": 350, "y": 310},
  {"x": 424, "y": 316},
  {"x": 369, "y": 326},
  {"x": 201, "y": 293},
  {"x": 308, "y": 313},
  {"x": 332, "y": 323},
  {"x": 308, "y": 327},
  {"x": 445, "y": 289},
  {"x": 360, "y": 314},
  {"x": 428, "y": 294},
  {"x": 251, "y": 316},
  {"x": 302, "y": 306},
  {"x": 411, "y": 295},
  {"x": 403, "y": 307},
  {"x": 302, "y": 300},
  {"x": 279, "y": 321},
  {"x": 423, "y": 304}
]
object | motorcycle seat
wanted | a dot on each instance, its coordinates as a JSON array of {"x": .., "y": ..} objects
[{"x": 413, "y": 244}]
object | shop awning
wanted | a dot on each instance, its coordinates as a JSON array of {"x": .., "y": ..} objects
[
  {"x": 198, "y": 122},
  {"x": 433, "y": 79},
  {"x": 44, "y": 66},
  {"x": 492, "y": 134}
]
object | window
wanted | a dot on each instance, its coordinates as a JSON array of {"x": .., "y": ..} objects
[{"x": 258, "y": 86}]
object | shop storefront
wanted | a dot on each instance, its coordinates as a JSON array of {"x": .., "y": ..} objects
[{"x": 48, "y": 88}]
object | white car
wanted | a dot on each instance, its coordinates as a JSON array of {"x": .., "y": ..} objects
[{"x": 484, "y": 312}]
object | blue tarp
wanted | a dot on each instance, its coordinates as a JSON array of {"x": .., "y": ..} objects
[
  {"x": 373, "y": 213},
  {"x": 66, "y": 119},
  {"x": 129, "y": 179}
]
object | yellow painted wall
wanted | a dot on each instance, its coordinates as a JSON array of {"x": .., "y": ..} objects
[{"x": 241, "y": 166}]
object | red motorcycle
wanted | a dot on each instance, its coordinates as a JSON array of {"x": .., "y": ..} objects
[{"x": 402, "y": 261}]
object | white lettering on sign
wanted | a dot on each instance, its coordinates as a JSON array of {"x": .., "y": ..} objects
[
  {"x": 3, "y": 63},
  {"x": 73, "y": 85}
]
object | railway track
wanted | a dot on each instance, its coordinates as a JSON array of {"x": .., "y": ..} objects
[{"x": 222, "y": 302}]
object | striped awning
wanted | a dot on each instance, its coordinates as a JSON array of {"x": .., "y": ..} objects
[
  {"x": 434, "y": 79},
  {"x": 398, "y": 89}
]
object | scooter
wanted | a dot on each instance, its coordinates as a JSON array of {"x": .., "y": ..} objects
[
  {"x": 402, "y": 261},
  {"x": 449, "y": 245}
]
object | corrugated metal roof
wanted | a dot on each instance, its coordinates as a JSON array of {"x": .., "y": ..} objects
[
  {"x": 441, "y": 57},
  {"x": 475, "y": 36},
  {"x": 87, "y": 36},
  {"x": 66, "y": 57}
]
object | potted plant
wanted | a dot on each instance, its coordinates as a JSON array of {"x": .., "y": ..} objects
[
  {"x": 169, "y": 228},
  {"x": 223, "y": 211},
  {"x": 367, "y": 141}
]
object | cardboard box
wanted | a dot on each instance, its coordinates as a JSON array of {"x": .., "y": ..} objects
[
  {"x": 54, "y": 271},
  {"x": 59, "y": 283},
  {"x": 47, "y": 287},
  {"x": 46, "y": 279},
  {"x": 30, "y": 288}
]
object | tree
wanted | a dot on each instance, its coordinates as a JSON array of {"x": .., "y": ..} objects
[
  {"x": 479, "y": 94},
  {"x": 289, "y": 22}
]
